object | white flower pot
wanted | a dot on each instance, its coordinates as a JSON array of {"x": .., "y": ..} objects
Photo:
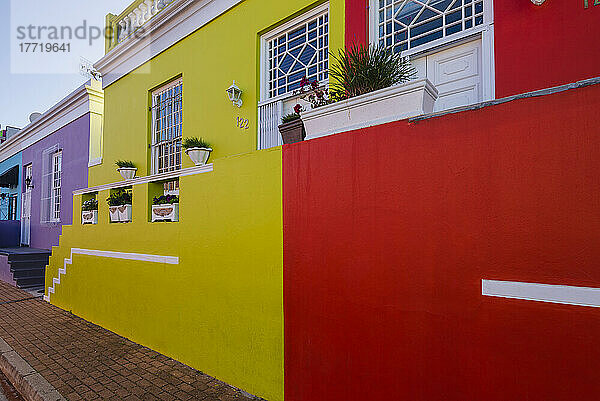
[
  {"x": 128, "y": 173},
  {"x": 89, "y": 217},
  {"x": 199, "y": 155},
  {"x": 113, "y": 211},
  {"x": 395, "y": 103},
  {"x": 124, "y": 213},
  {"x": 169, "y": 212},
  {"x": 120, "y": 214}
]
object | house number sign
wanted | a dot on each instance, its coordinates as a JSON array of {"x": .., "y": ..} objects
[{"x": 243, "y": 123}]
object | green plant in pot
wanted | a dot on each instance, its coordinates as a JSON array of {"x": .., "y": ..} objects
[
  {"x": 363, "y": 69},
  {"x": 89, "y": 212},
  {"x": 197, "y": 149},
  {"x": 119, "y": 206},
  {"x": 165, "y": 208},
  {"x": 369, "y": 85},
  {"x": 126, "y": 168},
  {"x": 292, "y": 127}
]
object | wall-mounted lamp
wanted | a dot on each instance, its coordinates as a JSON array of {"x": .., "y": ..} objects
[
  {"x": 235, "y": 95},
  {"x": 538, "y": 2},
  {"x": 28, "y": 183}
]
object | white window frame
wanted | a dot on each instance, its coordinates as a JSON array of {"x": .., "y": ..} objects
[
  {"x": 485, "y": 31},
  {"x": 55, "y": 199},
  {"x": 264, "y": 41},
  {"x": 153, "y": 145}
]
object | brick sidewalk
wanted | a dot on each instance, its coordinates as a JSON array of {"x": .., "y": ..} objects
[{"x": 84, "y": 361}]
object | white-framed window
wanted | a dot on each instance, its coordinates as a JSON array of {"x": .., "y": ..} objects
[
  {"x": 56, "y": 186},
  {"x": 297, "y": 49},
  {"x": 167, "y": 127},
  {"x": 407, "y": 24},
  {"x": 51, "y": 183}
]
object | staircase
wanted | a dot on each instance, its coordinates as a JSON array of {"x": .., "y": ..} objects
[{"x": 28, "y": 266}]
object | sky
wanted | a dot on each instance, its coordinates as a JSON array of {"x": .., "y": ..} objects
[{"x": 33, "y": 81}]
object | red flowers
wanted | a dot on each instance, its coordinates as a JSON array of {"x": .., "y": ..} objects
[{"x": 298, "y": 108}]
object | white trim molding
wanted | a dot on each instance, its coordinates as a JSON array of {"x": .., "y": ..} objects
[
  {"x": 559, "y": 294},
  {"x": 207, "y": 168},
  {"x": 142, "y": 257},
  {"x": 175, "y": 22},
  {"x": 69, "y": 109}
]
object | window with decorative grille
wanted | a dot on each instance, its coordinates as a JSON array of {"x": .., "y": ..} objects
[
  {"x": 167, "y": 126},
  {"x": 297, "y": 52},
  {"x": 406, "y": 24}
]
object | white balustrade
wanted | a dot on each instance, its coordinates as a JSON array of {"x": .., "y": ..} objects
[
  {"x": 269, "y": 119},
  {"x": 127, "y": 24}
]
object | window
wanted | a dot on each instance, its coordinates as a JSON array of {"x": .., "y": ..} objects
[
  {"x": 167, "y": 125},
  {"x": 12, "y": 207},
  {"x": 403, "y": 24},
  {"x": 301, "y": 50},
  {"x": 51, "y": 184},
  {"x": 56, "y": 183}
]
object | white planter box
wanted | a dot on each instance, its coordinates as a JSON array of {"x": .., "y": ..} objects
[
  {"x": 199, "y": 155},
  {"x": 128, "y": 173},
  {"x": 120, "y": 214},
  {"x": 89, "y": 217},
  {"x": 165, "y": 212},
  {"x": 395, "y": 103}
]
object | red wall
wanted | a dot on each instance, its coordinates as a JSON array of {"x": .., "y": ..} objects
[
  {"x": 356, "y": 21},
  {"x": 389, "y": 231},
  {"x": 543, "y": 46}
]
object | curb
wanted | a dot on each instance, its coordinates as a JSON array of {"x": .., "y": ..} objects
[{"x": 25, "y": 379}]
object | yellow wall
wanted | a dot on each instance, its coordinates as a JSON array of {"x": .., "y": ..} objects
[
  {"x": 209, "y": 60},
  {"x": 219, "y": 310}
]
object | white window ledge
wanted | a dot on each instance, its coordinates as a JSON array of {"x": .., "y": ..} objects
[{"x": 149, "y": 178}]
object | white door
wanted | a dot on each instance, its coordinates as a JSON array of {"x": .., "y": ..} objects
[
  {"x": 26, "y": 209},
  {"x": 456, "y": 73}
]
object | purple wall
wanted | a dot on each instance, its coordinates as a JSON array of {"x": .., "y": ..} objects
[{"x": 73, "y": 139}]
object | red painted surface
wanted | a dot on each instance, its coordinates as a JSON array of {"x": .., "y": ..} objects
[
  {"x": 356, "y": 22},
  {"x": 389, "y": 231},
  {"x": 543, "y": 46}
]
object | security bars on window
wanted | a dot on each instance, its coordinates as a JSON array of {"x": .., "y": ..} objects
[
  {"x": 405, "y": 24},
  {"x": 302, "y": 51},
  {"x": 167, "y": 117}
]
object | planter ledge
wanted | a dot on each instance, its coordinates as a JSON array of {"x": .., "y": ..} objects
[{"x": 395, "y": 103}]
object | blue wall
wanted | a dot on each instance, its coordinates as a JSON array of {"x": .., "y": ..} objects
[
  {"x": 10, "y": 233},
  {"x": 5, "y": 165}
]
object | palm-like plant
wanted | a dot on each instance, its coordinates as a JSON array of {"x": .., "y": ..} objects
[{"x": 363, "y": 69}]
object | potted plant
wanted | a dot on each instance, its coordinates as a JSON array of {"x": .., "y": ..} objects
[
  {"x": 292, "y": 127},
  {"x": 197, "y": 149},
  {"x": 89, "y": 212},
  {"x": 165, "y": 208},
  {"x": 119, "y": 206},
  {"x": 126, "y": 168},
  {"x": 370, "y": 85}
]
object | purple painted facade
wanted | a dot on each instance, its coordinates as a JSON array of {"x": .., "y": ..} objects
[{"x": 73, "y": 140}]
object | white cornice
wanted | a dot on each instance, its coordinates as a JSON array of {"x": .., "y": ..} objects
[
  {"x": 179, "y": 20},
  {"x": 69, "y": 109}
]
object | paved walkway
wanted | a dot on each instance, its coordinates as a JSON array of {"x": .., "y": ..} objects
[{"x": 84, "y": 361}]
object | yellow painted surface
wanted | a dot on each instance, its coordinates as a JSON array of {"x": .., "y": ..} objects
[
  {"x": 220, "y": 310},
  {"x": 224, "y": 50}
]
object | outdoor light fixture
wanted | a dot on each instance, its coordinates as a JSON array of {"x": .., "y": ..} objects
[
  {"x": 538, "y": 2},
  {"x": 235, "y": 94},
  {"x": 28, "y": 182}
]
